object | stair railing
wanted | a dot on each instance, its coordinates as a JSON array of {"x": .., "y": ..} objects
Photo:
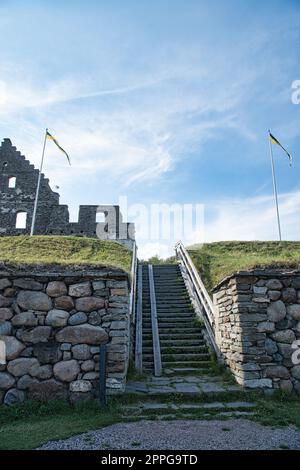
[
  {"x": 133, "y": 275},
  {"x": 201, "y": 296},
  {"x": 154, "y": 323}
]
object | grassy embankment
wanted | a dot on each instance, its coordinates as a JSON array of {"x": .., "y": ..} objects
[
  {"x": 215, "y": 261},
  {"x": 58, "y": 250}
]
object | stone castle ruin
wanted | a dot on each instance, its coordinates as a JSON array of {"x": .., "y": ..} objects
[{"x": 18, "y": 182}]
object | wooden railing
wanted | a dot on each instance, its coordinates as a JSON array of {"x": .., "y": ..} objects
[
  {"x": 154, "y": 323},
  {"x": 200, "y": 294},
  {"x": 139, "y": 322},
  {"x": 133, "y": 275}
]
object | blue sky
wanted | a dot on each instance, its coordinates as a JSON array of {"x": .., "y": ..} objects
[{"x": 162, "y": 102}]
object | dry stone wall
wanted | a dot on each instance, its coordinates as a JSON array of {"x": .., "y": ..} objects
[
  {"x": 52, "y": 326},
  {"x": 257, "y": 326}
]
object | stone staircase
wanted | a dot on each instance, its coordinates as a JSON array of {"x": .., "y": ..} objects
[
  {"x": 183, "y": 349},
  {"x": 189, "y": 386}
]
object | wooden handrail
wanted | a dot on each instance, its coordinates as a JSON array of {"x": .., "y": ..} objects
[
  {"x": 139, "y": 323},
  {"x": 202, "y": 297},
  {"x": 154, "y": 323}
]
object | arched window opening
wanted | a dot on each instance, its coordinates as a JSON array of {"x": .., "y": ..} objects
[
  {"x": 21, "y": 220},
  {"x": 12, "y": 182}
]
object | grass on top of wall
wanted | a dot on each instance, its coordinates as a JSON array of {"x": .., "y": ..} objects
[
  {"x": 61, "y": 250},
  {"x": 215, "y": 261}
]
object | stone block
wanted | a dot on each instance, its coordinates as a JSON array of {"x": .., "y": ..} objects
[
  {"x": 31, "y": 300},
  {"x": 56, "y": 289},
  {"x": 82, "y": 289}
]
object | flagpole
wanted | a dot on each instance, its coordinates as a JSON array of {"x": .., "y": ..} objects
[
  {"x": 275, "y": 187},
  {"x": 38, "y": 187}
]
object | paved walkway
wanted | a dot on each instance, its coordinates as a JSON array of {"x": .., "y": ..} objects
[
  {"x": 183, "y": 435},
  {"x": 188, "y": 384}
]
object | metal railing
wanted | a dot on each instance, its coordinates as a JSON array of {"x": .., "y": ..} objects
[
  {"x": 133, "y": 273},
  {"x": 154, "y": 323},
  {"x": 201, "y": 296},
  {"x": 139, "y": 323}
]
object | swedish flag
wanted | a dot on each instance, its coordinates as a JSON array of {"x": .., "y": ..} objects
[
  {"x": 276, "y": 142},
  {"x": 49, "y": 136}
]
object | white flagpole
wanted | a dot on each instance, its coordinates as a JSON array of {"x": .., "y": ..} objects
[
  {"x": 275, "y": 187},
  {"x": 38, "y": 187}
]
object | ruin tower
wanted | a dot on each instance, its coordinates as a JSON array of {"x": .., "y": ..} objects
[{"x": 18, "y": 182}]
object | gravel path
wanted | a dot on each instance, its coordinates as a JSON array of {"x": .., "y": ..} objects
[{"x": 183, "y": 435}]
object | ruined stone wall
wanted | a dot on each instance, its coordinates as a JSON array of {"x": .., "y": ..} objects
[
  {"x": 52, "y": 325},
  {"x": 52, "y": 218},
  {"x": 257, "y": 326}
]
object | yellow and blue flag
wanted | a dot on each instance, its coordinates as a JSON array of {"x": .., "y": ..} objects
[
  {"x": 49, "y": 136},
  {"x": 276, "y": 142}
]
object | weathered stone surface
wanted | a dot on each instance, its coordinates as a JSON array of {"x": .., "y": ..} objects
[
  {"x": 286, "y": 386},
  {"x": 47, "y": 353},
  {"x": 285, "y": 350},
  {"x": 78, "y": 318},
  {"x": 64, "y": 303},
  {"x": 13, "y": 396},
  {"x": 274, "y": 294},
  {"x": 271, "y": 347},
  {"x": 275, "y": 372},
  {"x": 91, "y": 376},
  {"x": 95, "y": 318},
  {"x": 88, "y": 304},
  {"x": 87, "y": 366},
  {"x": 258, "y": 383},
  {"x": 295, "y": 371},
  {"x": 294, "y": 311},
  {"x": 65, "y": 347},
  {"x": 87, "y": 334},
  {"x": 28, "y": 284},
  {"x": 13, "y": 347},
  {"x": 47, "y": 390},
  {"x": 5, "y": 314},
  {"x": 118, "y": 325},
  {"x": 5, "y": 301},
  {"x": 289, "y": 295},
  {"x": 66, "y": 371},
  {"x": 30, "y": 300},
  {"x": 81, "y": 351},
  {"x": 6, "y": 381},
  {"x": 41, "y": 372},
  {"x": 276, "y": 311},
  {"x": 266, "y": 327},
  {"x": 296, "y": 282},
  {"x": 25, "y": 319},
  {"x": 97, "y": 285},
  {"x": 56, "y": 289},
  {"x": 284, "y": 336},
  {"x": 25, "y": 382},
  {"x": 80, "y": 386},
  {"x": 81, "y": 289},
  {"x": 274, "y": 284},
  {"x": 4, "y": 283},
  {"x": 57, "y": 318},
  {"x": 5, "y": 328},
  {"x": 21, "y": 366},
  {"x": 40, "y": 334}
]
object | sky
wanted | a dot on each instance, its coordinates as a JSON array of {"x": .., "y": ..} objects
[{"x": 162, "y": 102}]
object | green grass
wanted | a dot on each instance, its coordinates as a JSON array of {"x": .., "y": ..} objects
[
  {"x": 58, "y": 250},
  {"x": 215, "y": 261},
  {"x": 29, "y": 425}
]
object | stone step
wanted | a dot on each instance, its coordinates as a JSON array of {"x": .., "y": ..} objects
[
  {"x": 176, "y": 365},
  {"x": 176, "y": 344},
  {"x": 165, "y": 349},
  {"x": 184, "y": 333},
  {"x": 188, "y": 407}
]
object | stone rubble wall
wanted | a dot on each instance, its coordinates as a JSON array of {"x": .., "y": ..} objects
[
  {"x": 257, "y": 325},
  {"x": 52, "y": 326}
]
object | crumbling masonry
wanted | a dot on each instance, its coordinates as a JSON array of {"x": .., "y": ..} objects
[{"x": 18, "y": 182}]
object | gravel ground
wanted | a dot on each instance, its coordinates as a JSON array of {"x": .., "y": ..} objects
[{"x": 183, "y": 435}]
